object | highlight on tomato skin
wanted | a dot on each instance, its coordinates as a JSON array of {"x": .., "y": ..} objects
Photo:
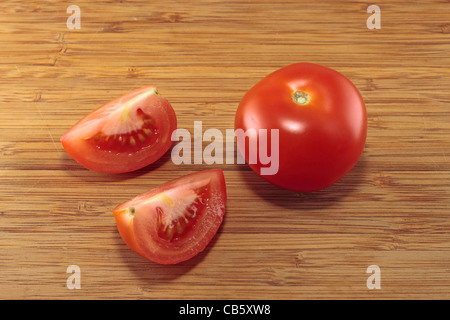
[
  {"x": 123, "y": 135},
  {"x": 176, "y": 220}
]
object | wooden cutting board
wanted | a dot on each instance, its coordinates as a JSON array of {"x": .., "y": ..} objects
[{"x": 390, "y": 211}]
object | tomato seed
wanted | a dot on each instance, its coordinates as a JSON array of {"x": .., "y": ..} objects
[
  {"x": 132, "y": 141},
  {"x": 141, "y": 137},
  {"x": 147, "y": 131},
  {"x": 179, "y": 227},
  {"x": 170, "y": 232}
]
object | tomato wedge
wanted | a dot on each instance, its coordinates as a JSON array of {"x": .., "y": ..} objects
[
  {"x": 123, "y": 135},
  {"x": 175, "y": 221}
]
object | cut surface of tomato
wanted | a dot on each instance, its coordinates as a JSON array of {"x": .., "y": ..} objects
[
  {"x": 175, "y": 221},
  {"x": 123, "y": 135}
]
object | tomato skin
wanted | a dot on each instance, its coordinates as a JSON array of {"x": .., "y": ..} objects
[
  {"x": 78, "y": 141},
  {"x": 139, "y": 230},
  {"x": 124, "y": 224},
  {"x": 320, "y": 141}
]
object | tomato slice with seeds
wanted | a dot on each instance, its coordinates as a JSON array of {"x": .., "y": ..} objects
[
  {"x": 175, "y": 221},
  {"x": 123, "y": 135}
]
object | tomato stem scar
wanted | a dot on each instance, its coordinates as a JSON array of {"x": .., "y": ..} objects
[{"x": 301, "y": 97}]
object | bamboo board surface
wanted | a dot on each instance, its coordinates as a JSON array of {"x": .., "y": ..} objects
[{"x": 391, "y": 210}]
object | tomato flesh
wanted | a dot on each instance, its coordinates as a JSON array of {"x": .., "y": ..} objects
[
  {"x": 172, "y": 227},
  {"x": 129, "y": 142},
  {"x": 123, "y": 135},
  {"x": 177, "y": 220},
  {"x": 322, "y": 123}
]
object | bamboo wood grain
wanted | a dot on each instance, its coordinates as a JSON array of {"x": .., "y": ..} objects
[{"x": 391, "y": 210}]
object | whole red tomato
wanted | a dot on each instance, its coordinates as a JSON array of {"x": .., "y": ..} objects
[{"x": 322, "y": 123}]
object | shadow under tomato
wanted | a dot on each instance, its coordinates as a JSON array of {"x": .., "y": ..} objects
[
  {"x": 321, "y": 199},
  {"x": 155, "y": 273}
]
